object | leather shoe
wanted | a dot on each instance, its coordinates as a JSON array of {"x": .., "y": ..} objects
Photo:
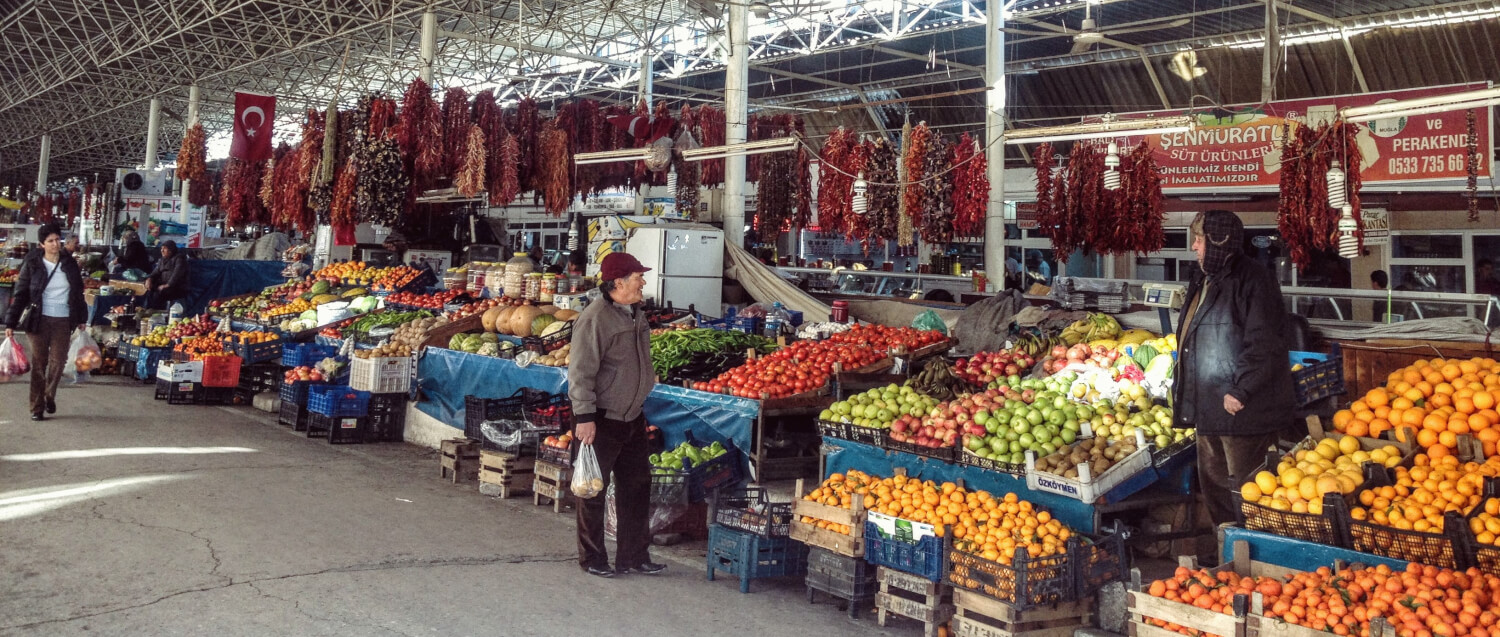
[
  {"x": 38, "y": 416},
  {"x": 599, "y": 572},
  {"x": 645, "y": 568},
  {"x": 51, "y": 407}
]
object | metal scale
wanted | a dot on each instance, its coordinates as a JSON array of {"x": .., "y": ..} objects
[{"x": 1165, "y": 297}]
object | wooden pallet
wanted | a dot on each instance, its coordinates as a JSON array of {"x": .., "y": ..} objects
[
  {"x": 551, "y": 484},
  {"x": 1144, "y": 608},
  {"x": 506, "y": 473},
  {"x": 977, "y": 615},
  {"x": 914, "y": 597},
  {"x": 811, "y": 535},
  {"x": 459, "y": 461}
]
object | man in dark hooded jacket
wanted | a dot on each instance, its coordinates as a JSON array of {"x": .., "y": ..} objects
[{"x": 1233, "y": 381}]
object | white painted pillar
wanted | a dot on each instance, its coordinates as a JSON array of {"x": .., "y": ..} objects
[
  {"x": 1270, "y": 54},
  {"x": 428, "y": 46},
  {"x": 994, "y": 134},
  {"x": 42, "y": 162},
  {"x": 643, "y": 92},
  {"x": 194, "y": 97},
  {"x": 736, "y": 118},
  {"x": 153, "y": 130}
]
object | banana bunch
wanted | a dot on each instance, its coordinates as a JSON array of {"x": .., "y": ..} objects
[
  {"x": 938, "y": 381},
  {"x": 1037, "y": 346},
  {"x": 1097, "y": 326}
]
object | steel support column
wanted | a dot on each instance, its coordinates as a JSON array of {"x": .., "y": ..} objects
[
  {"x": 736, "y": 118},
  {"x": 994, "y": 140}
]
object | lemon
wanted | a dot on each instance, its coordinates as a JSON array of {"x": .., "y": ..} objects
[
  {"x": 1315, "y": 507},
  {"x": 1347, "y": 483},
  {"x": 1348, "y": 444},
  {"x": 1314, "y": 469},
  {"x": 1359, "y": 457},
  {"x": 1291, "y": 477},
  {"x": 1329, "y": 449},
  {"x": 1299, "y": 507},
  {"x": 1378, "y": 456},
  {"x": 1250, "y": 492},
  {"x": 1266, "y": 481},
  {"x": 1328, "y": 484},
  {"x": 1280, "y": 504},
  {"x": 1308, "y": 488}
]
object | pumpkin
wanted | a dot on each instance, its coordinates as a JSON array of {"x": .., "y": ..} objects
[
  {"x": 489, "y": 318},
  {"x": 549, "y": 309},
  {"x": 502, "y": 320},
  {"x": 521, "y": 319},
  {"x": 565, "y": 315}
]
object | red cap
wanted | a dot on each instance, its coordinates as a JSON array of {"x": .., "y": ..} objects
[{"x": 618, "y": 265}]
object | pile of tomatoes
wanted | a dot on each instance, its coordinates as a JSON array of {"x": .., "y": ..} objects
[
  {"x": 800, "y": 367},
  {"x": 434, "y": 301},
  {"x": 887, "y": 338},
  {"x": 1421, "y": 601}
]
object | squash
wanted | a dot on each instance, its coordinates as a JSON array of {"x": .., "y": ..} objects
[
  {"x": 549, "y": 309},
  {"x": 565, "y": 315},
  {"x": 502, "y": 320},
  {"x": 520, "y": 320},
  {"x": 489, "y": 318}
]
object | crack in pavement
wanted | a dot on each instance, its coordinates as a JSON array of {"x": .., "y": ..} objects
[
  {"x": 439, "y": 562},
  {"x": 208, "y": 543},
  {"x": 297, "y": 607}
]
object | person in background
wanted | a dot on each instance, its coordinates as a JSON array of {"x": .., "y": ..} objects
[
  {"x": 1232, "y": 382},
  {"x": 1484, "y": 278},
  {"x": 54, "y": 282},
  {"x": 396, "y": 243},
  {"x": 133, "y": 254},
  {"x": 608, "y": 379},
  {"x": 1379, "y": 280},
  {"x": 170, "y": 279},
  {"x": 70, "y": 245}
]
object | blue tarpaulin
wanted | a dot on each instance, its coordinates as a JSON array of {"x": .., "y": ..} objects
[
  {"x": 211, "y": 279},
  {"x": 1298, "y": 554},
  {"x": 844, "y": 455},
  {"x": 445, "y": 377}
]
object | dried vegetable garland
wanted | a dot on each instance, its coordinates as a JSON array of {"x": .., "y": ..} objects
[
  {"x": 1131, "y": 219},
  {"x": 329, "y": 157},
  {"x": 491, "y": 121},
  {"x": 914, "y": 161},
  {"x": 240, "y": 195},
  {"x": 1471, "y": 167},
  {"x": 420, "y": 138},
  {"x": 1042, "y": 159},
  {"x": 937, "y": 192},
  {"x": 1306, "y": 222},
  {"x": 971, "y": 187},
  {"x": 455, "y": 130},
  {"x": 470, "y": 178},
  {"x": 192, "y": 156},
  {"x": 268, "y": 183},
  {"x": 341, "y": 211},
  {"x": 687, "y": 194},
  {"x": 286, "y": 204},
  {"x": 584, "y": 137},
  {"x": 883, "y": 193},
  {"x": 709, "y": 129},
  {"x": 834, "y": 186},
  {"x": 381, "y": 186},
  {"x": 802, "y": 186},
  {"x": 527, "y": 130},
  {"x": 510, "y": 163},
  {"x": 201, "y": 191},
  {"x": 906, "y": 232},
  {"x": 775, "y": 198},
  {"x": 552, "y": 170}
]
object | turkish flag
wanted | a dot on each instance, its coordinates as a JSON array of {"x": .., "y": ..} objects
[{"x": 253, "y": 116}]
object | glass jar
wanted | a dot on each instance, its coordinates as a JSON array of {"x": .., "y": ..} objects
[
  {"x": 516, "y": 270},
  {"x": 477, "y": 273},
  {"x": 533, "y": 286},
  {"x": 549, "y": 288},
  {"x": 494, "y": 279}
]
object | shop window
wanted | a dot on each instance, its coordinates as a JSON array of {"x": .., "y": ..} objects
[
  {"x": 1427, "y": 246},
  {"x": 1486, "y": 257}
]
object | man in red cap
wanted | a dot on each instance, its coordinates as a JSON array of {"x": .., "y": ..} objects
[{"x": 609, "y": 377}]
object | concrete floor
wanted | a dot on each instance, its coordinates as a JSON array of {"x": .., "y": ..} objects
[{"x": 265, "y": 532}]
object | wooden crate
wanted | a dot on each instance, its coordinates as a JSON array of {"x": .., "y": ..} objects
[
  {"x": 1143, "y": 607},
  {"x": 506, "y": 474},
  {"x": 1266, "y": 627},
  {"x": 459, "y": 461},
  {"x": 914, "y": 597},
  {"x": 811, "y": 535},
  {"x": 977, "y": 615},
  {"x": 551, "y": 484},
  {"x": 1367, "y": 363}
]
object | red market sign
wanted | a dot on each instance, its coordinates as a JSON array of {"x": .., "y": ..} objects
[{"x": 1239, "y": 147}]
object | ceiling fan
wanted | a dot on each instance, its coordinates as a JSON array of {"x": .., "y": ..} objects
[{"x": 1089, "y": 33}]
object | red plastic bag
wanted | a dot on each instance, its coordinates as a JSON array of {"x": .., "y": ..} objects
[{"x": 12, "y": 360}]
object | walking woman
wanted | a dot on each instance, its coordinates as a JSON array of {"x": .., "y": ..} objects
[{"x": 48, "y": 299}]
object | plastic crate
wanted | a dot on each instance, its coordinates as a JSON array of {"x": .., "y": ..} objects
[
  {"x": 750, "y": 509},
  {"x": 966, "y": 457},
  {"x": 1163, "y": 456},
  {"x": 553, "y": 412},
  {"x": 221, "y": 371},
  {"x": 1321, "y": 376},
  {"x": 1328, "y": 528},
  {"x": 384, "y": 375},
  {"x": 261, "y": 377},
  {"x": 515, "y": 409},
  {"x": 128, "y": 352},
  {"x": 183, "y": 393},
  {"x": 946, "y": 454},
  {"x": 252, "y": 353},
  {"x": 387, "y": 419},
  {"x": 293, "y": 411},
  {"x": 718, "y": 473},
  {"x": 340, "y": 430},
  {"x": 850, "y": 578},
  {"x": 1445, "y": 549},
  {"x": 1095, "y": 486},
  {"x": 749, "y": 556},
  {"x": 1026, "y": 582},
  {"x": 304, "y": 354},
  {"x": 557, "y": 456},
  {"x": 292, "y": 415},
  {"x": 217, "y": 395},
  {"x": 149, "y": 358},
  {"x": 549, "y": 343},
  {"x": 669, "y": 486},
  {"x": 338, "y": 401},
  {"x": 906, "y": 546},
  {"x": 850, "y": 431},
  {"x": 1099, "y": 561}
]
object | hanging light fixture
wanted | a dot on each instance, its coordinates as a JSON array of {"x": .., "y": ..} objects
[
  {"x": 861, "y": 203},
  {"x": 1348, "y": 243},
  {"x": 1338, "y": 194},
  {"x": 573, "y": 233},
  {"x": 1112, "y": 167},
  {"x": 672, "y": 181}
]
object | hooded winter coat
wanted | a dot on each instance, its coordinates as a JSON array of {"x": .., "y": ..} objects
[{"x": 1234, "y": 342}]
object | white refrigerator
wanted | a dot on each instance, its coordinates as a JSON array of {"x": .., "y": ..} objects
[{"x": 687, "y": 264}]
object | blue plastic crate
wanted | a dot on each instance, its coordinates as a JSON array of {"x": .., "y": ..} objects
[
  {"x": 749, "y": 556},
  {"x": 149, "y": 358},
  {"x": 251, "y": 353},
  {"x": 338, "y": 401},
  {"x": 1321, "y": 376},
  {"x": 300, "y": 354},
  {"x": 923, "y": 557}
]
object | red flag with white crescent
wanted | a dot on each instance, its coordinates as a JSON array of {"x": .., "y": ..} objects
[{"x": 253, "y": 116}]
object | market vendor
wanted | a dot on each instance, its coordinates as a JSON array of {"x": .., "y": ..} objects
[
  {"x": 609, "y": 376},
  {"x": 1232, "y": 381},
  {"x": 133, "y": 255},
  {"x": 170, "y": 279},
  {"x": 396, "y": 244}
]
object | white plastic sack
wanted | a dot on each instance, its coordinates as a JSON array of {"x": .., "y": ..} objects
[{"x": 588, "y": 480}]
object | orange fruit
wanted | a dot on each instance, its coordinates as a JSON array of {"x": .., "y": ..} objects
[
  {"x": 1484, "y": 400},
  {"x": 1377, "y": 397},
  {"x": 1427, "y": 438}
]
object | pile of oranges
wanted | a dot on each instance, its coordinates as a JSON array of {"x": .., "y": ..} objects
[
  {"x": 839, "y": 491},
  {"x": 1420, "y": 601},
  {"x": 1439, "y": 400},
  {"x": 1422, "y": 494}
]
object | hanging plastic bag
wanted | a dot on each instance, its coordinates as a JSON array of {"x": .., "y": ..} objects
[
  {"x": 588, "y": 480},
  {"x": 929, "y": 320},
  {"x": 83, "y": 356},
  {"x": 12, "y": 360}
]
